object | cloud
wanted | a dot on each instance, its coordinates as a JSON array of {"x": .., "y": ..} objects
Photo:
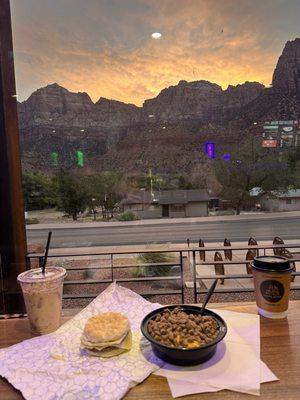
[{"x": 105, "y": 47}]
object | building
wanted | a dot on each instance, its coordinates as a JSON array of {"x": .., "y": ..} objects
[
  {"x": 167, "y": 203},
  {"x": 289, "y": 201}
]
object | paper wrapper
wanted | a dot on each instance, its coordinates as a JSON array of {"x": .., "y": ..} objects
[{"x": 54, "y": 367}]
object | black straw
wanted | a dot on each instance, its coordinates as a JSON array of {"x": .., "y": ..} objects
[
  {"x": 46, "y": 252},
  {"x": 208, "y": 295}
]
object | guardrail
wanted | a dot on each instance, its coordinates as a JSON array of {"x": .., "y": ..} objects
[
  {"x": 229, "y": 262},
  {"x": 113, "y": 267},
  {"x": 191, "y": 250}
]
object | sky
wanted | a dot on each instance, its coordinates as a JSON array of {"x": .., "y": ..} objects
[{"x": 105, "y": 47}]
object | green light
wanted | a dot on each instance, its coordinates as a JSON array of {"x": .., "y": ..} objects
[
  {"x": 79, "y": 155},
  {"x": 54, "y": 158}
]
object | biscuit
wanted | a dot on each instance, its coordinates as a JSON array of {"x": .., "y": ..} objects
[
  {"x": 110, "y": 351},
  {"x": 125, "y": 344},
  {"x": 105, "y": 327},
  {"x": 85, "y": 342},
  {"x": 106, "y": 353}
]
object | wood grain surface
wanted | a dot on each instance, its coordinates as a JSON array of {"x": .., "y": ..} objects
[{"x": 280, "y": 350}]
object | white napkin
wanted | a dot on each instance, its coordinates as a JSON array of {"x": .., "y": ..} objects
[
  {"x": 182, "y": 388},
  {"x": 235, "y": 366},
  {"x": 52, "y": 367}
]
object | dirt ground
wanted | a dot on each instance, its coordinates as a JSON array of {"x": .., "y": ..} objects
[{"x": 53, "y": 216}]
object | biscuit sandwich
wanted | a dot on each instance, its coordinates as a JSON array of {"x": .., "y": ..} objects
[{"x": 107, "y": 335}]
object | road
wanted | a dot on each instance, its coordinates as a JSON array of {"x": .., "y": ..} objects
[{"x": 210, "y": 231}]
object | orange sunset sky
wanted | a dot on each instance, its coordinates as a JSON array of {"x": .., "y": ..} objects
[{"x": 105, "y": 48}]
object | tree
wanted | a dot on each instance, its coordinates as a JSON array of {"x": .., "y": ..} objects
[
  {"x": 252, "y": 166},
  {"x": 72, "y": 192},
  {"x": 38, "y": 191},
  {"x": 294, "y": 162},
  {"x": 151, "y": 182},
  {"x": 203, "y": 176},
  {"x": 107, "y": 188}
]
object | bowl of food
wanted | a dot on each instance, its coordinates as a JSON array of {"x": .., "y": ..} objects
[{"x": 180, "y": 335}]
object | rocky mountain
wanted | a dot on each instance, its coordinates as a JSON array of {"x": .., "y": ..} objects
[
  {"x": 166, "y": 133},
  {"x": 286, "y": 76},
  {"x": 200, "y": 100}
]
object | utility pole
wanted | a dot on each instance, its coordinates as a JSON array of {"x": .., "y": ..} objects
[
  {"x": 12, "y": 220},
  {"x": 151, "y": 185}
]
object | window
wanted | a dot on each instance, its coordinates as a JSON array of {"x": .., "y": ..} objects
[
  {"x": 121, "y": 96},
  {"x": 290, "y": 201}
]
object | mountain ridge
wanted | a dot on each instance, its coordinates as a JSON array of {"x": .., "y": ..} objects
[{"x": 117, "y": 135}]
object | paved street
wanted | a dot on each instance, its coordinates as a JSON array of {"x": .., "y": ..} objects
[{"x": 211, "y": 231}]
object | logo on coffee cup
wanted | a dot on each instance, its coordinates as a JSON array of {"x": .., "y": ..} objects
[{"x": 272, "y": 290}]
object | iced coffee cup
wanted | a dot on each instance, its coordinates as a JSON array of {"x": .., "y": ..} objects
[
  {"x": 272, "y": 280},
  {"x": 43, "y": 298}
]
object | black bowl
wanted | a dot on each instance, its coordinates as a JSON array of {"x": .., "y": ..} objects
[{"x": 184, "y": 356}]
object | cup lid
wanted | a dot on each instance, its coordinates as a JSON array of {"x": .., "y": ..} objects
[
  {"x": 271, "y": 263},
  {"x": 36, "y": 275}
]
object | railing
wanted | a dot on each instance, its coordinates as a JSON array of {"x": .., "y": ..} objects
[
  {"x": 113, "y": 267},
  {"x": 197, "y": 277},
  {"x": 191, "y": 251}
]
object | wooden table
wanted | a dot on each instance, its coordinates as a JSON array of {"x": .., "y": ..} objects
[{"x": 280, "y": 349}]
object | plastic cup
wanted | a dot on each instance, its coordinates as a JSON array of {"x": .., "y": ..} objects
[
  {"x": 272, "y": 281},
  {"x": 43, "y": 298}
]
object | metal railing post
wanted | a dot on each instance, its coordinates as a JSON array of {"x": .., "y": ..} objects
[
  {"x": 194, "y": 276},
  {"x": 41, "y": 259},
  {"x": 112, "y": 266},
  {"x": 181, "y": 274},
  {"x": 28, "y": 262}
]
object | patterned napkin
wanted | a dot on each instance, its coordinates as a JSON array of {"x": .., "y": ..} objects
[{"x": 53, "y": 367}]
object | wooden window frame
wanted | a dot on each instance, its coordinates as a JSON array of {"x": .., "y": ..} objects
[{"x": 12, "y": 221}]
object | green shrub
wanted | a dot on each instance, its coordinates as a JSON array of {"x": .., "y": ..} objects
[
  {"x": 149, "y": 258},
  {"x": 128, "y": 216}
]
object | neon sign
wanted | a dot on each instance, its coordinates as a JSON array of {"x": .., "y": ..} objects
[
  {"x": 210, "y": 149},
  {"x": 54, "y": 158},
  {"x": 226, "y": 157},
  {"x": 79, "y": 155}
]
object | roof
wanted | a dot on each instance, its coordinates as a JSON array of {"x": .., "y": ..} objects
[
  {"x": 256, "y": 191},
  {"x": 182, "y": 196},
  {"x": 289, "y": 194},
  {"x": 167, "y": 197}
]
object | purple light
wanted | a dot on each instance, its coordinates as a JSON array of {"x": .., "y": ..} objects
[
  {"x": 226, "y": 157},
  {"x": 210, "y": 149}
]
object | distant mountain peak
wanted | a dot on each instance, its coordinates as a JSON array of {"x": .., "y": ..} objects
[
  {"x": 104, "y": 102},
  {"x": 56, "y": 88},
  {"x": 197, "y": 84},
  {"x": 54, "y": 85},
  {"x": 286, "y": 77},
  {"x": 54, "y": 98},
  {"x": 246, "y": 85}
]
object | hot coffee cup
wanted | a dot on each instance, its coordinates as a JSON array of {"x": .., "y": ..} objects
[{"x": 272, "y": 280}]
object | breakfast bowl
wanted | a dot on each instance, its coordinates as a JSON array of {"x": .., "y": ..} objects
[{"x": 184, "y": 355}]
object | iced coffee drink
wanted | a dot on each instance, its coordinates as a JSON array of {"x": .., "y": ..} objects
[{"x": 43, "y": 298}]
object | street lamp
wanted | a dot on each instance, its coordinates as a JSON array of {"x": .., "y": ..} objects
[{"x": 144, "y": 191}]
